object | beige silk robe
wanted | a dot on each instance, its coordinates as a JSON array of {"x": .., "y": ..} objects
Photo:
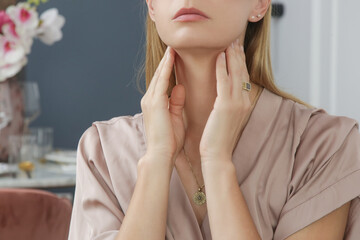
[{"x": 294, "y": 165}]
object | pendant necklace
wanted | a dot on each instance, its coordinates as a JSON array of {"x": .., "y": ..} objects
[{"x": 199, "y": 197}]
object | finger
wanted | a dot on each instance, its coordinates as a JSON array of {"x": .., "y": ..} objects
[
  {"x": 222, "y": 79},
  {"x": 163, "y": 80},
  {"x": 242, "y": 53},
  {"x": 177, "y": 100},
  {"x": 235, "y": 69},
  {"x": 155, "y": 78},
  {"x": 243, "y": 57},
  {"x": 244, "y": 72}
]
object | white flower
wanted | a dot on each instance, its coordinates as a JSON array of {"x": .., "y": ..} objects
[
  {"x": 12, "y": 58},
  {"x": 27, "y": 20},
  {"x": 18, "y": 26},
  {"x": 49, "y": 30},
  {"x": 11, "y": 70}
]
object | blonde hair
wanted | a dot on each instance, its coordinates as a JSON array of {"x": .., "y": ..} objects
[{"x": 257, "y": 50}]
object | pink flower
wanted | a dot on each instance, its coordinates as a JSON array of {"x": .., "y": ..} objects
[
  {"x": 26, "y": 20},
  {"x": 10, "y": 51},
  {"x": 5, "y": 20},
  {"x": 12, "y": 57},
  {"x": 19, "y": 25},
  {"x": 23, "y": 15}
]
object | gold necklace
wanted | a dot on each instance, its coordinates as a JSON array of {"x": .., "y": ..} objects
[{"x": 199, "y": 197}]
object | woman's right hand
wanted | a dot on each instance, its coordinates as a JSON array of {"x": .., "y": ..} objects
[{"x": 163, "y": 119}]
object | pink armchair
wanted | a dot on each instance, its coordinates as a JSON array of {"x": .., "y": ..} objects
[{"x": 33, "y": 214}]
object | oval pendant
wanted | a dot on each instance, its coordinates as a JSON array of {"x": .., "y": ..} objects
[{"x": 199, "y": 198}]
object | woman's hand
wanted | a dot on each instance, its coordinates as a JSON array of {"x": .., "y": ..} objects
[
  {"x": 164, "y": 126},
  {"x": 231, "y": 107}
]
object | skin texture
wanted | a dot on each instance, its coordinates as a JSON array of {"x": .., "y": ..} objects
[
  {"x": 197, "y": 46},
  {"x": 205, "y": 115}
]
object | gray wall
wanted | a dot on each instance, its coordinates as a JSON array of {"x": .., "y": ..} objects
[{"x": 90, "y": 74}]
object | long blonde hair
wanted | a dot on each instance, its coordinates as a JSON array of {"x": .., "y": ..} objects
[{"x": 257, "y": 50}]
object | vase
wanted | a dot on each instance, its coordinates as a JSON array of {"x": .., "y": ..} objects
[{"x": 11, "y": 88}]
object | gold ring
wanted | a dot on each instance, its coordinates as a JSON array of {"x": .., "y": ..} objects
[{"x": 246, "y": 86}]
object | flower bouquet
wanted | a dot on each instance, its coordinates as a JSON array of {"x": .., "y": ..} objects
[{"x": 19, "y": 25}]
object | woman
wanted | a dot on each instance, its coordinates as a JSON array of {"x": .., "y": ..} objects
[{"x": 220, "y": 158}]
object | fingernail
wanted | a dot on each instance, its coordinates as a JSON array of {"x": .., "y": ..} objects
[
  {"x": 232, "y": 45},
  {"x": 242, "y": 48},
  {"x": 223, "y": 55}
]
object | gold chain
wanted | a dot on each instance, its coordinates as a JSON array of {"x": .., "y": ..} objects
[
  {"x": 192, "y": 170},
  {"x": 199, "y": 197},
  {"x": 187, "y": 158}
]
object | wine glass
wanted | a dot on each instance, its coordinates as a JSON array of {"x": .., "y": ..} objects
[
  {"x": 31, "y": 96},
  {"x": 5, "y": 105}
]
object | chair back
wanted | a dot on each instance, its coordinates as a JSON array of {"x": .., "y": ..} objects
[{"x": 33, "y": 215}]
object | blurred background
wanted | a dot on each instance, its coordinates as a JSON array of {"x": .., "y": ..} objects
[{"x": 90, "y": 74}]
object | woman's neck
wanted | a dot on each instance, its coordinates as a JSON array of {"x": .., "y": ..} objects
[{"x": 197, "y": 73}]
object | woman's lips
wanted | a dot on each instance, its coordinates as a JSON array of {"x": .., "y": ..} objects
[
  {"x": 189, "y": 15},
  {"x": 189, "y": 18}
]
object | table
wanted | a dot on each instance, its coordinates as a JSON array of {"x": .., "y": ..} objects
[{"x": 54, "y": 177}]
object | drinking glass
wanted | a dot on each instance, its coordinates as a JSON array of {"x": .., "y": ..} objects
[
  {"x": 5, "y": 105},
  {"x": 44, "y": 141},
  {"x": 31, "y": 103},
  {"x": 21, "y": 152}
]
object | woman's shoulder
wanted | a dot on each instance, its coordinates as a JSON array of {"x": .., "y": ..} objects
[
  {"x": 313, "y": 132},
  {"x": 120, "y": 127},
  {"x": 317, "y": 125},
  {"x": 325, "y": 165},
  {"x": 306, "y": 119},
  {"x": 306, "y": 122},
  {"x": 120, "y": 121},
  {"x": 322, "y": 136},
  {"x": 115, "y": 135}
]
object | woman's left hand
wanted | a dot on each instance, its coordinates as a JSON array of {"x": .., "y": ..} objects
[{"x": 231, "y": 106}]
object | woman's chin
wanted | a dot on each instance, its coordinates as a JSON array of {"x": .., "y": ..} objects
[
  {"x": 197, "y": 52},
  {"x": 202, "y": 46}
]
